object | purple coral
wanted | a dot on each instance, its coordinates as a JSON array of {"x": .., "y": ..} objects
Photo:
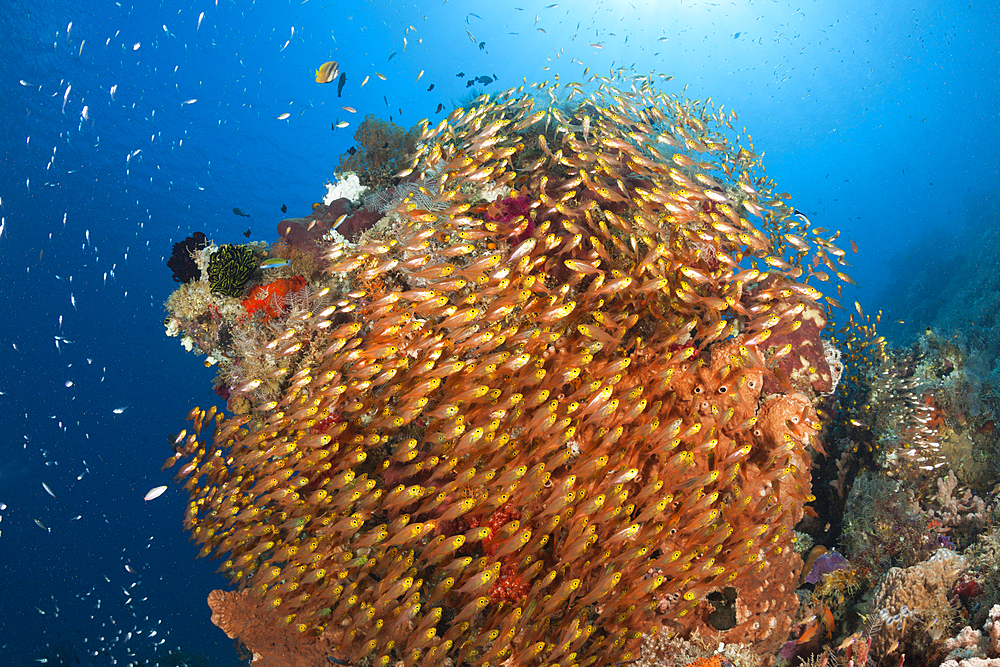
[
  {"x": 506, "y": 210},
  {"x": 828, "y": 562}
]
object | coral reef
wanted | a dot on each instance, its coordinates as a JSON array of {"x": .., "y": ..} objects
[
  {"x": 664, "y": 649},
  {"x": 881, "y": 526},
  {"x": 230, "y": 269},
  {"x": 345, "y": 186},
  {"x": 270, "y": 644},
  {"x": 908, "y": 502},
  {"x": 382, "y": 150},
  {"x": 487, "y": 449},
  {"x": 979, "y": 591},
  {"x": 913, "y": 604},
  {"x": 271, "y": 298},
  {"x": 975, "y": 648}
]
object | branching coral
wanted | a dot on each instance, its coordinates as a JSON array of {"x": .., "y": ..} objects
[
  {"x": 964, "y": 513},
  {"x": 533, "y": 451},
  {"x": 382, "y": 150}
]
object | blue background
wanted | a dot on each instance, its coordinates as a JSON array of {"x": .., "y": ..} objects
[{"x": 880, "y": 118}]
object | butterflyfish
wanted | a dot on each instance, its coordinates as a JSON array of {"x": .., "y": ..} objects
[{"x": 327, "y": 72}]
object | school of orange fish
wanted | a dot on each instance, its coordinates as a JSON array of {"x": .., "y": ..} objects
[{"x": 530, "y": 440}]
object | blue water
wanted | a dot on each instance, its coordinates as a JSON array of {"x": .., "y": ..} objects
[{"x": 880, "y": 118}]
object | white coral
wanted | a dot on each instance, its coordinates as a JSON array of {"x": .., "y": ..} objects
[
  {"x": 954, "y": 507},
  {"x": 426, "y": 197},
  {"x": 347, "y": 185},
  {"x": 173, "y": 326}
]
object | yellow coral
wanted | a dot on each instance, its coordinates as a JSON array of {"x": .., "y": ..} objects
[{"x": 838, "y": 584}]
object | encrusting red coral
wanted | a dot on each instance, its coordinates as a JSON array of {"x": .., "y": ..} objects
[
  {"x": 271, "y": 298},
  {"x": 711, "y": 661},
  {"x": 509, "y": 586}
]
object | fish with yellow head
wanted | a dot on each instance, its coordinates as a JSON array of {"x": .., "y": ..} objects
[{"x": 327, "y": 72}]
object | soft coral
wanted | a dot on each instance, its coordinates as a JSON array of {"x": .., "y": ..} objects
[{"x": 507, "y": 210}]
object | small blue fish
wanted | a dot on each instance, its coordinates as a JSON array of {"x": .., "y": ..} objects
[
  {"x": 241, "y": 212},
  {"x": 273, "y": 263}
]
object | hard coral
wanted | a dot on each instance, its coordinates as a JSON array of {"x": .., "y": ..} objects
[
  {"x": 575, "y": 418},
  {"x": 915, "y": 608},
  {"x": 230, "y": 268}
]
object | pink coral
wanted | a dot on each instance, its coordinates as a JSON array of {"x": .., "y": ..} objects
[{"x": 508, "y": 210}]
